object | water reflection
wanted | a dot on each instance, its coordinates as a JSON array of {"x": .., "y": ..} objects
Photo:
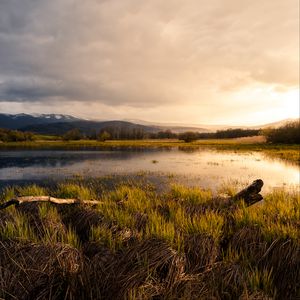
[
  {"x": 210, "y": 167},
  {"x": 45, "y": 159}
]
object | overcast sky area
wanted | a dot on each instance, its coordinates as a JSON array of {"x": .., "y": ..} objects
[{"x": 184, "y": 61}]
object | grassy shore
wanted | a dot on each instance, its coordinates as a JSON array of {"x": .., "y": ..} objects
[
  {"x": 140, "y": 244},
  {"x": 287, "y": 152}
]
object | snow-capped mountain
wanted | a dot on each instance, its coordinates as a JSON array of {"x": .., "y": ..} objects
[
  {"x": 59, "y": 123},
  {"x": 21, "y": 120}
]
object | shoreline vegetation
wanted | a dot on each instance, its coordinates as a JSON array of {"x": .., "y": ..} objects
[
  {"x": 288, "y": 152},
  {"x": 137, "y": 243},
  {"x": 282, "y": 142}
]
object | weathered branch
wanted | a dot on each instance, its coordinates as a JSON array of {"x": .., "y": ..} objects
[
  {"x": 27, "y": 199},
  {"x": 250, "y": 194},
  {"x": 9, "y": 203}
]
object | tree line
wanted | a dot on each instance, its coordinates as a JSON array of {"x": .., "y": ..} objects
[
  {"x": 287, "y": 134},
  {"x": 115, "y": 133},
  {"x": 107, "y": 133},
  {"x": 7, "y": 135}
]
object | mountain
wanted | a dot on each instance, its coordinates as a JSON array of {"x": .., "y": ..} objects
[
  {"x": 57, "y": 124},
  {"x": 174, "y": 127},
  {"x": 86, "y": 127},
  {"x": 181, "y": 127},
  {"x": 19, "y": 121},
  {"x": 275, "y": 124}
]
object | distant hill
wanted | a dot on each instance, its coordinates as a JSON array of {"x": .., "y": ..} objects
[
  {"x": 58, "y": 124},
  {"x": 276, "y": 124},
  {"x": 202, "y": 128},
  {"x": 20, "y": 121},
  {"x": 174, "y": 127},
  {"x": 86, "y": 127},
  {"x": 181, "y": 129}
]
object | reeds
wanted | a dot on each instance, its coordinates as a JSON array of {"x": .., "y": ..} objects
[{"x": 138, "y": 244}]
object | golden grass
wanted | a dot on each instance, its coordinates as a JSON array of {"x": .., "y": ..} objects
[{"x": 138, "y": 244}]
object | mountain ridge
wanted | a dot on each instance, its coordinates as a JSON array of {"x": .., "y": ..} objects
[
  {"x": 18, "y": 121},
  {"x": 60, "y": 123},
  {"x": 214, "y": 126}
]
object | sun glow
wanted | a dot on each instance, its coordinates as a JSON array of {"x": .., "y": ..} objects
[
  {"x": 286, "y": 105},
  {"x": 265, "y": 104},
  {"x": 290, "y": 105}
]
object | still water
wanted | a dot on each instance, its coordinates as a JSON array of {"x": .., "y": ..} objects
[{"x": 207, "y": 167}]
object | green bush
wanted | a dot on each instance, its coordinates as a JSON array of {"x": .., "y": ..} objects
[
  {"x": 188, "y": 136},
  {"x": 73, "y": 134},
  {"x": 7, "y": 135},
  {"x": 103, "y": 136}
]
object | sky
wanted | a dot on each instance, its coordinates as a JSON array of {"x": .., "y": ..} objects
[{"x": 183, "y": 61}]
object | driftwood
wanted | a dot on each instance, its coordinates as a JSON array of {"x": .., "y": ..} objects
[
  {"x": 27, "y": 199},
  {"x": 250, "y": 195}
]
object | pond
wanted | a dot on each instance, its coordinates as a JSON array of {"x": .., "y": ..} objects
[{"x": 206, "y": 168}]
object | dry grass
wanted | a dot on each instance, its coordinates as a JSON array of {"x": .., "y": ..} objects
[
  {"x": 138, "y": 244},
  {"x": 251, "y": 139}
]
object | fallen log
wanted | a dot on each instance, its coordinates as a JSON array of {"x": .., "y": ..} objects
[
  {"x": 27, "y": 199},
  {"x": 250, "y": 195}
]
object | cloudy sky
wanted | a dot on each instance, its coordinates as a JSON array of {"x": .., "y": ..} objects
[{"x": 188, "y": 61}]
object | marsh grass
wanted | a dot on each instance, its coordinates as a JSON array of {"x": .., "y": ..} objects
[
  {"x": 71, "y": 190},
  {"x": 14, "y": 191},
  {"x": 17, "y": 228},
  {"x": 190, "y": 196},
  {"x": 278, "y": 217},
  {"x": 139, "y": 244}
]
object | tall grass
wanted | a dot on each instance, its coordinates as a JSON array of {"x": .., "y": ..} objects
[
  {"x": 71, "y": 190},
  {"x": 278, "y": 217},
  {"x": 17, "y": 228},
  {"x": 138, "y": 244},
  {"x": 190, "y": 196}
]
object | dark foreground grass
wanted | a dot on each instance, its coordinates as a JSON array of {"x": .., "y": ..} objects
[{"x": 140, "y": 244}]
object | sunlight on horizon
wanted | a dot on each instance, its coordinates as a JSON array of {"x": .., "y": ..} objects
[{"x": 266, "y": 105}]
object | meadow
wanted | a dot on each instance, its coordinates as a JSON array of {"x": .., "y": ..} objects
[{"x": 141, "y": 243}]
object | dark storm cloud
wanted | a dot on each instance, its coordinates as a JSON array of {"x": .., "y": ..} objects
[{"x": 146, "y": 53}]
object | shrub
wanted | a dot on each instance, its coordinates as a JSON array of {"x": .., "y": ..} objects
[
  {"x": 103, "y": 136},
  {"x": 73, "y": 134},
  {"x": 188, "y": 136},
  {"x": 7, "y": 135},
  {"x": 287, "y": 134}
]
